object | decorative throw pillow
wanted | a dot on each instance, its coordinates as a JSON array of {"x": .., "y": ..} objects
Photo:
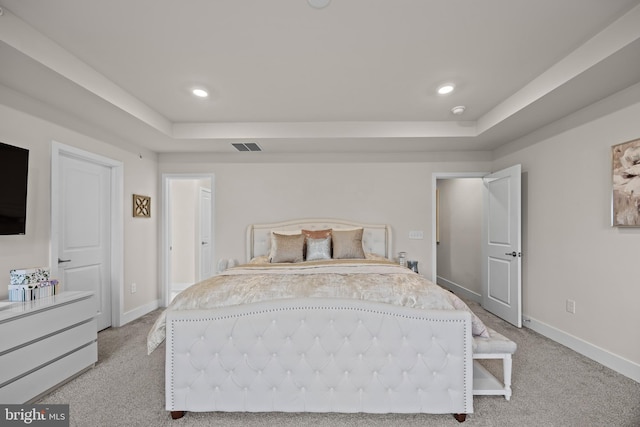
[
  {"x": 318, "y": 248},
  {"x": 347, "y": 243},
  {"x": 286, "y": 248},
  {"x": 317, "y": 234}
]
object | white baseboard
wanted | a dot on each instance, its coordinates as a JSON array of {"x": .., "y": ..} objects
[
  {"x": 461, "y": 291},
  {"x": 139, "y": 312},
  {"x": 619, "y": 364}
]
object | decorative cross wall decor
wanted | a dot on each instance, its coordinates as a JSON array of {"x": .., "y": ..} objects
[{"x": 141, "y": 206}]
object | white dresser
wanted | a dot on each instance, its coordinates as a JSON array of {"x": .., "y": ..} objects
[{"x": 45, "y": 342}]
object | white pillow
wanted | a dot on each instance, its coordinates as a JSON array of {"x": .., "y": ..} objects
[{"x": 318, "y": 248}]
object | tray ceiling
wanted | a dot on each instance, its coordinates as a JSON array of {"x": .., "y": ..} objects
[{"x": 357, "y": 75}]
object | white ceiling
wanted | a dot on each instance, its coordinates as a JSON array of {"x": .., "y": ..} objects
[{"x": 358, "y": 75}]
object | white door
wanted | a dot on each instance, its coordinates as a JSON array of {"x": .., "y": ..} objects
[
  {"x": 501, "y": 245},
  {"x": 84, "y": 228},
  {"x": 206, "y": 254}
]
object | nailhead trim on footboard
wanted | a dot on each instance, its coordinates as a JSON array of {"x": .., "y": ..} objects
[{"x": 319, "y": 356}]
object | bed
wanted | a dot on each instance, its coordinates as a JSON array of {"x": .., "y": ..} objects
[{"x": 354, "y": 332}]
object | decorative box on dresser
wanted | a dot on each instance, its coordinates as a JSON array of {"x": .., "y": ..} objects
[{"x": 44, "y": 343}]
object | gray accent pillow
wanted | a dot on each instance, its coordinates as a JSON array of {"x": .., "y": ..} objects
[
  {"x": 318, "y": 248},
  {"x": 347, "y": 244},
  {"x": 286, "y": 248}
]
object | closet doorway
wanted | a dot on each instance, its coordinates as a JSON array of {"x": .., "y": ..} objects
[{"x": 188, "y": 231}]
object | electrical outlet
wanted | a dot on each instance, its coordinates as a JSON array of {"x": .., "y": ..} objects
[
  {"x": 134, "y": 288},
  {"x": 416, "y": 234},
  {"x": 571, "y": 306}
]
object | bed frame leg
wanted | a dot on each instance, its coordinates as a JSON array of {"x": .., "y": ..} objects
[
  {"x": 460, "y": 417},
  {"x": 177, "y": 414}
]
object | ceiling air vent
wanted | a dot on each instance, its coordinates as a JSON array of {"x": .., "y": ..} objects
[{"x": 249, "y": 146}]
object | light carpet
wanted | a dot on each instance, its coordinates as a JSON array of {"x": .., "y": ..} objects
[{"x": 552, "y": 386}]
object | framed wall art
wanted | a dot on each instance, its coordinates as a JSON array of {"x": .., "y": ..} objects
[
  {"x": 625, "y": 202},
  {"x": 141, "y": 206}
]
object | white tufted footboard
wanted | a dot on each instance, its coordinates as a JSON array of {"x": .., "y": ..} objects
[{"x": 317, "y": 355}]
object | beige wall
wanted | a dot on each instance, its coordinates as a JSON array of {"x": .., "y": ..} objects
[
  {"x": 32, "y": 249},
  {"x": 570, "y": 250},
  {"x": 392, "y": 193}
]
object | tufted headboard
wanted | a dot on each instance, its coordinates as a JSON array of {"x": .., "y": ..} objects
[{"x": 376, "y": 238}]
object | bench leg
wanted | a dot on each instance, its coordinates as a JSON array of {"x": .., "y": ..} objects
[{"x": 506, "y": 366}]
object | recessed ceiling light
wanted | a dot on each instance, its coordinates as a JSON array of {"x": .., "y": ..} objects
[
  {"x": 458, "y": 110},
  {"x": 446, "y": 88},
  {"x": 200, "y": 93}
]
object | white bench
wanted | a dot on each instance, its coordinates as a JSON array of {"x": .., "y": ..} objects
[{"x": 497, "y": 346}]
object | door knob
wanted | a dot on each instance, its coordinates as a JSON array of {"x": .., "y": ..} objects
[
  {"x": 60, "y": 261},
  {"x": 513, "y": 254}
]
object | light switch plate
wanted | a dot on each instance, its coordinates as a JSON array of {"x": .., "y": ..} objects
[{"x": 416, "y": 234}]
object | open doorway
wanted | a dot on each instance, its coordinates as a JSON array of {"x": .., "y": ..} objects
[
  {"x": 188, "y": 232},
  {"x": 500, "y": 218},
  {"x": 457, "y": 258}
]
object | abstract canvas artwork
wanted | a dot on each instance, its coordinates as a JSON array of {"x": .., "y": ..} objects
[{"x": 626, "y": 184}]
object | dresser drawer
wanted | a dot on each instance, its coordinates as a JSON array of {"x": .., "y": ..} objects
[
  {"x": 37, "y": 323},
  {"x": 34, "y": 384},
  {"x": 44, "y": 343},
  {"x": 41, "y": 352}
]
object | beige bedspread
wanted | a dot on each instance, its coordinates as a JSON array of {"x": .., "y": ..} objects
[{"x": 372, "y": 280}]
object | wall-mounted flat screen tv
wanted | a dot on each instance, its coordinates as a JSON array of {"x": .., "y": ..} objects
[{"x": 14, "y": 168}]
